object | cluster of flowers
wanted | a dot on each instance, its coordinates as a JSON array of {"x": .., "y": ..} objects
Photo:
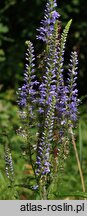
[{"x": 56, "y": 101}]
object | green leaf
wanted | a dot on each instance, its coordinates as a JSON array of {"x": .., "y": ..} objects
[
  {"x": 3, "y": 29},
  {"x": 2, "y": 55}
]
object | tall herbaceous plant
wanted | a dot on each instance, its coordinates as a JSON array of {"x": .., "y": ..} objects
[{"x": 49, "y": 106}]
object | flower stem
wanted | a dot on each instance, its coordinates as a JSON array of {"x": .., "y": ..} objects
[
  {"x": 43, "y": 190},
  {"x": 78, "y": 161}
]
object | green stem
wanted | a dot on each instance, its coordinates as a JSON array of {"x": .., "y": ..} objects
[
  {"x": 43, "y": 190},
  {"x": 77, "y": 159}
]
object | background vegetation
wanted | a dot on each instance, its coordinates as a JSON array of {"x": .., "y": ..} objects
[{"x": 18, "y": 23}]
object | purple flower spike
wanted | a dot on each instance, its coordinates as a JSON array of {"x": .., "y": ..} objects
[
  {"x": 47, "y": 24},
  {"x": 53, "y": 111},
  {"x": 72, "y": 90},
  {"x": 43, "y": 151},
  {"x": 26, "y": 94}
]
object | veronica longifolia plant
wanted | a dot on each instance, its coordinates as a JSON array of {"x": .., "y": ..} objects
[{"x": 54, "y": 108}]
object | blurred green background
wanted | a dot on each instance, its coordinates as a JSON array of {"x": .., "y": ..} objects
[{"x": 18, "y": 23}]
